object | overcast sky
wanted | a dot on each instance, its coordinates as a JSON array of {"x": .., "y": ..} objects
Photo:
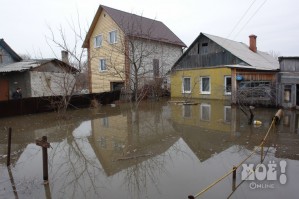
[{"x": 24, "y": 23}]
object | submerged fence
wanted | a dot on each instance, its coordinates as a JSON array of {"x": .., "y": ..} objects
[
  {"x": 275, "y": 121},
  {"x": 45, "y": 104}
]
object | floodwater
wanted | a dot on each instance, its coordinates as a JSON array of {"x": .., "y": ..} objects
[{"x": 161, "y": 150}]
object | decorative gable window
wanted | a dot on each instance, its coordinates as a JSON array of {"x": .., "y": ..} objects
[
  {"x": 186, "y": 85},
  {"x": 102, "y": 66},
  {"x": 205, "y": 85},
  {"x": 113, "y": 37},
  {"x": 227, "y": 85},
  {"x": 98, "y": 41}
]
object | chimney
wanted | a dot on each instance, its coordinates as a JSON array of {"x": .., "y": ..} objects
[
  {"x": 252, "y": 43},
  {"x": 65, "y": 56}
]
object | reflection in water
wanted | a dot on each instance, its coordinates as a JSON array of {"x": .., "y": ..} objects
[{"x": 161, "y": 150}]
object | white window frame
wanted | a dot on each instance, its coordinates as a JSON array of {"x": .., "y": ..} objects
[
  {"x": 201, "y": 85},
  {"x": 225, "y": 114},
  {"x": 183, "y": 83},
  {"x": 95, "y": 41},
  {"x": 102, "y": 60},
  {"x": 114, "y": 41},
  {"x": 187, "y": 111},
  {"x": 225, "y": 84},
  {"x": 209, "y": 111}
]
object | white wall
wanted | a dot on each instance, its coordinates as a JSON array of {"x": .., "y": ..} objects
[{"x": 51, "y": 84}]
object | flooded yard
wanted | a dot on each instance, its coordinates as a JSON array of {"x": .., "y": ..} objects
[{"x": 161, "y": 150}]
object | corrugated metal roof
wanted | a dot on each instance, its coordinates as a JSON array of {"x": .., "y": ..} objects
[
  {"x": 19, "y": 66},
  {"x": 259, "y": 60},
  {"x": 31, "y": 64},
  {"x": 138, "y": 26}
]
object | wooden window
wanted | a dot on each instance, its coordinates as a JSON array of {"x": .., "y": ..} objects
[
  {"x": 204, "y": 48},
  {"x": 287, "y": 93},
  {"x": 156, "y": 67},
  {"x": 102, "y": 65},
  {"x": 113, "y": 37},
  {"x": 186, "y": 85},
  {"x": 205, "y": 85},
  {"x": 98, "y": 41}
]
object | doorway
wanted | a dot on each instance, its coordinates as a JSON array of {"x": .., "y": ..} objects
[
  {"x": 297, "y": 94},
  {"x": 4, "y": 91}
]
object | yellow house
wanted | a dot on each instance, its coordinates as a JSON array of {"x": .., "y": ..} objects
[
  {"x": 215, "y": 67},
  {"x": 122, "y": 45}
]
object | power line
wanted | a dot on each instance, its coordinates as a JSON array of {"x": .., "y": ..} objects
[
  {"x": 250, "y": 18},
  {"x": 241, "y": 19}
]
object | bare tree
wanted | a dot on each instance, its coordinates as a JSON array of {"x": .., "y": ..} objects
[
  {"x": 69, "y": 41},
  {"x": 147, "y": 60}
]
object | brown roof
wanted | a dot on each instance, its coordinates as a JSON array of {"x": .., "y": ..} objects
[{"x": 137, "y": 26}]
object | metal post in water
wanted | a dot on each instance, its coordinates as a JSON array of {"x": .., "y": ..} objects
[
  {"x": 234, "y": 178},
  {"x": 8, "y": 146},
  {"x": 262, "y": 153},
  {"x": 45, "y": 159},
  {"x": 45, "y": 145}
]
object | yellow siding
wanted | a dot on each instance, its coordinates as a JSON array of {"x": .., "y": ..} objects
[
  {"x": 215, "y": 120},
  {"x": 115, "y": 60},
  {"x": 217, "y": 79}
]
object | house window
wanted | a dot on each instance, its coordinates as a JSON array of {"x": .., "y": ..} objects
[
  {"x": 287, "y": 93},
  {"x": 227, "y": 114},
  {"x": 186, "y": 111},
  {"x": 102, "y": 66},
  {"x": 204, "y": 48},
  {"x": 205, "y": 112},
  {"x": 156, "y": 67},
  {"x": 228, "y": 85},
  {"x": 98, "y": 41},
  {"x": 186, "y": 85},
  {"x": 105, "y": 122},
  {"x": 205, "y": 87},
  {"x": 113, "y": 37}
]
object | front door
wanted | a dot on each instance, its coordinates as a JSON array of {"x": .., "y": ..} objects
[{"x": 4, "y": 90}]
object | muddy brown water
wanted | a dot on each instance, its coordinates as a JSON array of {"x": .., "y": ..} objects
[{"x": 160, "y": 150}]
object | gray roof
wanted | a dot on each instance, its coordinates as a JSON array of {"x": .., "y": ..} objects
[
  {"x": 15, "y": 56},
  {"x": 137, "y": 26},
  {"x": 19, "y": 66},
  {"x": 30, "y": 64},
  {"x": 259, "y": 60}
]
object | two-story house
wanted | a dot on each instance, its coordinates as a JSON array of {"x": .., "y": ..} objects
[
  {"x": 127, "y": 50},
  {"x": 216, "y": 68}
]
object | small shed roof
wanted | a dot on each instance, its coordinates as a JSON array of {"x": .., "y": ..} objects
[
  {"x": 30, "y": 64},
  {"x": 137, "y": 26}
]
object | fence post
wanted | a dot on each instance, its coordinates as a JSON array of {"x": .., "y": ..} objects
[
  {"x": 234, "y": 178},
  {"x": 45, "y": 145},
  {"x": 8, "y": 146}
]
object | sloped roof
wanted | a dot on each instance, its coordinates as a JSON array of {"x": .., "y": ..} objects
[
  {"x": 15, "y": 56},
  {"x": 137, "y": 26},
  {"x": 258, "y": 60},
  {"x": 30, "y": 64}
]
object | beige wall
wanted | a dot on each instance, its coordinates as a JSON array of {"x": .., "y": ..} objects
[{"x": 115, "y": 60}]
